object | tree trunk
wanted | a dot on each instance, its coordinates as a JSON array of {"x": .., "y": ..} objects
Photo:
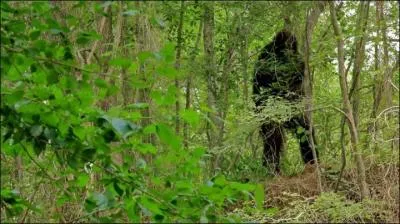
[
  {"x": 208, "y": 35},
  {"x": 244, "y": 59},
  {"x": 189, "y": 86},
  {"x": 177, "y": 66},
  {"x": 102, "y": 46},
  {"x": 116, "y": 50},
  {"x": 145, "y": 41},
  {"x": 312, "y": 19},
  {"x": 383, "y": 90},
  {"x": 223, "y": 96},
  {"x": 347, "y": 105},
  {"x": 359, "y": 59}
]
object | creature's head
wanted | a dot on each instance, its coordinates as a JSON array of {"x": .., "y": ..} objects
[{"x": 284, "y": 43}]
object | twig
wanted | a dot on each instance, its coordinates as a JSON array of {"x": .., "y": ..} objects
[
  {"x": 36, "y": 163},
  {"x": 343, "y": 150},
  {"x": 31, "y": 199}
]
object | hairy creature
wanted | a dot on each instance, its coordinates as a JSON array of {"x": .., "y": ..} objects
[{"x": 279, "y": 74}]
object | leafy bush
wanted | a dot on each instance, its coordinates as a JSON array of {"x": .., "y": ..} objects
[{"x": 46, "y": 109}]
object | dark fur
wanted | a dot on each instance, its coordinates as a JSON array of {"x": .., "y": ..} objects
[{"x": 279, "y": 72}]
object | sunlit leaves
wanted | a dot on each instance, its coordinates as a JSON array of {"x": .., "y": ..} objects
[
  {"x": 191, "y": 116},
  {"x": 168, "y": 137},
  {"x": 50, "y": 101}
]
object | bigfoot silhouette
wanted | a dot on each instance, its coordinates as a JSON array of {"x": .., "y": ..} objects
[{"x": 279, "y": 73}]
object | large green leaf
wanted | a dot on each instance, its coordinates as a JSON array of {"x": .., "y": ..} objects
[
  {"x": 259, "y": 196},
  {"x": 190, "y": 116},
  {"x": 167, "y": 136},
  {"x": 123, "y": 127}
]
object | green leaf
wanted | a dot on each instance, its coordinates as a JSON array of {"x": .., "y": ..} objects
[
  {"x": 168, "y": 52},
  {"x": 85, "y": 97},
  {"x": 100, "y": 200},
  {"x": 86, "y": 37},
  {"x": 120, "y": 62},
  {"x": 303, "y": 138},
  {"x": 299, "y": 130},
  {"x": 17, "y": 26},
  {"x": 133, "y": 68},
  {"x": 147, "y": 148},
  {"x": 82, "y": 180},
  {"x": 198, "y": 152},
  {"x": 150, "y": 129},
  {"x": 79, "y": 132},
  {"x": 14, "y": 97},
  {"x": 220, "y": 180},
  {"x": 121, "y": 126},
  {"x": 144, "y": 55},
  {"x": 62, "y": 200},
  {"x": 130, "y": 208},
  {"x": 14, "y": 74},
  {"x": 167, "y": 71},
  {"x": 50, "y": 119},
  {"x": 259, "y": 196},
  {"x": 87, "y": 154},
  {"x": 191, "y": 117},
  {"x": 150, "y": 205},
  {"x": 118, "y": 189},
  {"x": 167, "y": 136},
  {"x": 101, "y": 83},
  {"x": 33, "y": 35},
  {"x": 36, "y": 130}
]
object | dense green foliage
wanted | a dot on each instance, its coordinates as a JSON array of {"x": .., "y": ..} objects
[{"x": 97, "y": 125}]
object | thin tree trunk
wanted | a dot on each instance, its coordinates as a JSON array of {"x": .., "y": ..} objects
[
  {"x": 359, "y": 59},
  {"x": 177, "y": 66},
  {"x": 189, "y": 85},
  {"x": 383, "y": 89},
  {"x": 347, "y": 105},
  {"x": 105, "y": 29},
  {"x": 223, "y": 96},
  {"x": 224, "y": 92},
  {"x": 18, "y": 171},
  {"x": 312, "y": 19},
  {"x": 244, "y": 59},
  {"x": 102, "y": 46},
  {"x": 116, "y": 49},
  {"x": 208, "y": 35},
  {"x": 356, "y": 82},
  {"x": 145, "y": 36}
]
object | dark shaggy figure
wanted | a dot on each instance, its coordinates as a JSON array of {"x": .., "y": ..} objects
[{"x": 279, "y": 73}]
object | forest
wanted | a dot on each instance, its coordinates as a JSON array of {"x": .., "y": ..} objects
[{"x": 200, "y": 111}]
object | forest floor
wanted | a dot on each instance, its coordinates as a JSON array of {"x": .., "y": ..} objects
[{"x": 297, "y": 199}]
